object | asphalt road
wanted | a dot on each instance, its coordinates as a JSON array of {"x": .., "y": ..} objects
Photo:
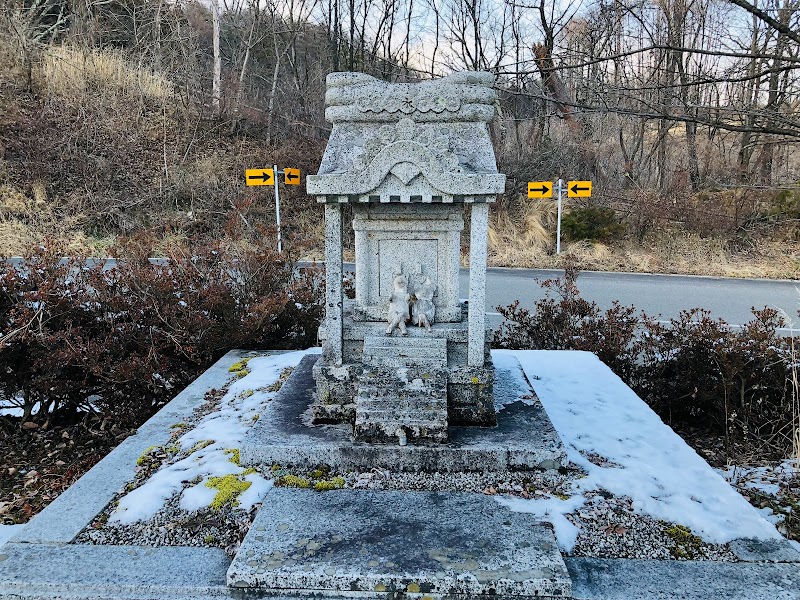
[{"x": 663, "y": 296}]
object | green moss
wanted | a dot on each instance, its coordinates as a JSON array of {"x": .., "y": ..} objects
[
  {"x": 256, "y": 417},
  {"x": 561, "y": 496},
  {"x": 209, "y": 539},
  {"x": 228, "y": 487},
  {"x": 199, "y": 446},
  {"x": 332, "y": 484},
  {"x": 249, "y": 471},
  {"x": 687, "y": 545},
  {"x": 281, "y": 379},
  {"x": 274, "y": 468},
  {"x": 145, "y": 455},
  {"x": 173, "y": 448},
  {"x": 235, "y": 456},
  {"x": 246, "y": 393},
  {"x": 177, "y": 425},
  {"x": 321, "y": 471},
  {"x": 293, "y": 481},
  {"x": 240, "y": 367}
]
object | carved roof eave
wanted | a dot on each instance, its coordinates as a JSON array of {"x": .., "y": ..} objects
[{"x": 390, "y": 159}]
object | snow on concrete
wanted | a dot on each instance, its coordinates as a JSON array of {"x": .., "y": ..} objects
[
  {"x": 595, "y": 413},
  {"x": 213, "y": 439},
  {"x": 8, "y": 531}
]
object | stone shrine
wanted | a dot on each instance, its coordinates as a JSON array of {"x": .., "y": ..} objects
[{"x": 406, "y": 358}]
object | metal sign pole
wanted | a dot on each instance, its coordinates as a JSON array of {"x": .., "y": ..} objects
[
  {"x": 558, "y": 226},
  {"x": 278, "y": 207}
]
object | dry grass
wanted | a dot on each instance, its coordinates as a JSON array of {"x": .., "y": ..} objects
[
  {"x": 664, "y": 252},
  {"x": 72, "y": 72}
]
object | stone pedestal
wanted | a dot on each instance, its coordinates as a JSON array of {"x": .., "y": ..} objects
[{"x": 407, "y": 157}]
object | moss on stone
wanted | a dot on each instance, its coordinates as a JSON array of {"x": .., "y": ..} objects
[
  {"x": 234, "y": 456},
  {"x": 687, "y": 545},
  {"x": 199, "y": 446},
  {"x": 145, "y": 456},
  {"x": 293, "y": 481},
  {"x": 240, "y": 367},
  {"x": 228, "y": 487},
  {"x": 249, "y": 471},
  {"x": 331, "y": 484}
]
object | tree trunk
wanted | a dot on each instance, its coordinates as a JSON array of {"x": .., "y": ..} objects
[{"x": 216, "y": 92}]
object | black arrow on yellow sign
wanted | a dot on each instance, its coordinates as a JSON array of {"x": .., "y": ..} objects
[{"x": 264, "y": 176}]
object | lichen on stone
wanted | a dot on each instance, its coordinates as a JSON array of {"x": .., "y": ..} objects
[
  {"x": 228, "y": 487},
  {"x": 234, "y": 456}
]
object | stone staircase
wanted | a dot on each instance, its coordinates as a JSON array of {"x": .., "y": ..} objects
[{"x": 402, "y": 391}]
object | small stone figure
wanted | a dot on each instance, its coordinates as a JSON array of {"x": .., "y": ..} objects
[
  {"x": 424, "y": 309},
  {"x": 398, "y": 305}
]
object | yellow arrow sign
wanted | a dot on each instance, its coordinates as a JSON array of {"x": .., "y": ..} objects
[
  {"x": 540, "y": 189},
  {"x": 291, "y": 176},
  {"x": 259, "y": 177},
  {"x": 579, "y": 189}
]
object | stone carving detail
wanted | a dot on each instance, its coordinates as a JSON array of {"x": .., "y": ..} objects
[
  {"x": 424, "y": 310},
  {"x": 398, "y": 305},
  {"x": 434, "y": 138},
  {"x": 393, "y": 103}
]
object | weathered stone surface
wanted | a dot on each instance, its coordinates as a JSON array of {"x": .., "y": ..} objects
[
  {"x": 419, "y": 241},
  {"x": 394, "y": 542},
  {"x": 523, "y": 439},
  {"x": 752, "y": 550},
  {"x": 470, "y": 396},
  {"x": 81, "y": 571},
  {"x": 402, "y": 404},
  {"x": 614, "y": 579},
  {"x": 397, "y": 352}
]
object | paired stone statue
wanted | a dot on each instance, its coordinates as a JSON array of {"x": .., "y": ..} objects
[{"x": 423, "y": 309}]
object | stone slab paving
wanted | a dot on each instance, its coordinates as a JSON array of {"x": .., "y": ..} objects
[
  {"x": 750, "y": 550},
  {"x": 83, "y": 571},
  {"x": 437, "y": 544},
  {"x": 609, "y": 579},
  {"x": 285, "y": 436}
]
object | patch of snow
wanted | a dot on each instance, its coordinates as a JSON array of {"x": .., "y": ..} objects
[
  {"x": 594, "y": 412},
  {"x": 766, "y": 480},
  {"x": 218, "y": 433},
  {"x": 9, "y": 531}
]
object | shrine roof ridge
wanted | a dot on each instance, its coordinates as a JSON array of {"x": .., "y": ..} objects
[{"x": 466, "y": 96}]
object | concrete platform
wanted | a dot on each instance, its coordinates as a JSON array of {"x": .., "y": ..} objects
[
  {"x": 523, "y": 439},
  {"x": 433, "y": 543}
]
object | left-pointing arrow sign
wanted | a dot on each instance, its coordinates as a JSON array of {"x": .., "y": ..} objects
[
  {"x": 260, "y": 177},
  {"x": 579, "y": 189},
  {"x": 540, "y": 189},
  {"x": 291, "y": 176}
]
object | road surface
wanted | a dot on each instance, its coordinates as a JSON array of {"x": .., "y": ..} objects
[{"x": 658, "y": 295}]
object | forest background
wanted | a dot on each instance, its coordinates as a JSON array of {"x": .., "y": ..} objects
[{"x": 123, "y": 116}]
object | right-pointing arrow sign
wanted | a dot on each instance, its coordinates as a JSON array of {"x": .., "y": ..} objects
[
  {"x": 540, "y": 189},
  {"x": 579, "y": 189}
]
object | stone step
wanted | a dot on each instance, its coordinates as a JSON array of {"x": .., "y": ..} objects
[
  {"x": 387, "y": 544},
  {"x": 413, "y": 399},
  {"x": 405, "y": 352}
]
